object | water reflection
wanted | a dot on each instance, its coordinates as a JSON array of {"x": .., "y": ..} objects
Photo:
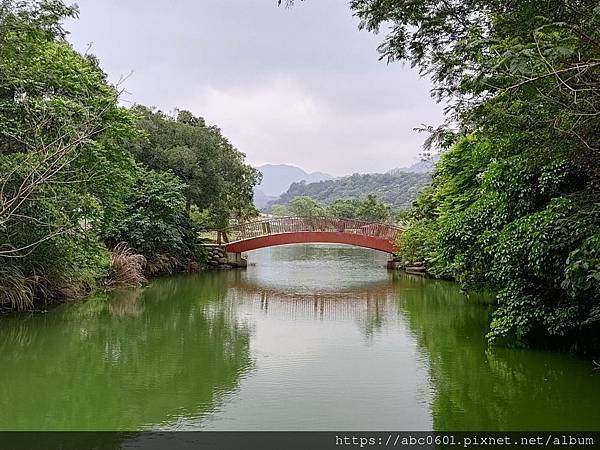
[
  {"x": 481, "y": 388},
  {"x": 366, "y": 306},
  {"x": 128, "y": 362},
  {"x": 316, "y": 268},
  {"x": 309, "y": 337}
]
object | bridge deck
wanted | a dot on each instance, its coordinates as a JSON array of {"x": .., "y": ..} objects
[{"x": 293, "y": 230}]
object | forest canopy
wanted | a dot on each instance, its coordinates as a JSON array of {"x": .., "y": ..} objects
[
  {"x": 369, "y": 209},
  {"x": 397, "y": 190}
]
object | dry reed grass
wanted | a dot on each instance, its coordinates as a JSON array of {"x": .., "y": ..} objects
[
  {"x": 163, "y": 264},
  {"x": 126, "y": 267},
  {"x": 16, "y": 290}
]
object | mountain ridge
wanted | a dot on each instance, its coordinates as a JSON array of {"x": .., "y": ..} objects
[
  {"x": 277, "y": 178},
  {"x": 397, "y": 187},
  {"x": 397, "y": 190}
]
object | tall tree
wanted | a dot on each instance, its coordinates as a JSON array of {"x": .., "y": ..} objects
[
  {"x": 214, "y": 171},
  {"x": 154, "y": 221},
  {"x": 305, "y": 207},
  {"x": 369, "y": 209}
]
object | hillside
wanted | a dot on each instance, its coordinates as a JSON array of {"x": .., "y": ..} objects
[
  {"x": 261, "y": 199},
  {"x": 397, "y": 190},
  {"x": 277, "y": 178}
]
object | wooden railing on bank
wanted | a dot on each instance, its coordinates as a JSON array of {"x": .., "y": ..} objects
[{"x": 277, "y": 225}]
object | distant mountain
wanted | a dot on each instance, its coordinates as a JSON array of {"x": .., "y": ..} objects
[
  {"x": 261, "y": 199},
  {"x": 277, "y": 178},
  {"x": 423, "y": 166},
  {"x": 397, "y": 190}
]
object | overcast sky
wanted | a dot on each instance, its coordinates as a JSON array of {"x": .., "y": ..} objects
[{"x": 300, "y": 86}]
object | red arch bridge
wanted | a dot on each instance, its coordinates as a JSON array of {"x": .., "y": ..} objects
[{"x": 301, "y": 230}]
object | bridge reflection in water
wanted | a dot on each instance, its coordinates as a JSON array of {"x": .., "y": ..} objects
[{"x": 375, "y": 298}]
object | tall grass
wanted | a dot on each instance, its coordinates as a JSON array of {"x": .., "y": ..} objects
[
  {"x": 23, "y": 287},
  {"x": 163, "y": 264},
  {"x": 126, "y": 267},
  {"x": 16, "y": 290}
]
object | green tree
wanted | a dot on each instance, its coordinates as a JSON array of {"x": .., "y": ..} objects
[
  {"x": 372, "y": 210},
  {"x": 64, "y": 166},
  {"x": 305, "y": 207},
  {"x": 214, "y": 172},
  {"x": 369, "y": 209},
  {"x": 280, "y": 210},
  {"x": 154, "y": 221},
  {"x": 343, "y": 208}
]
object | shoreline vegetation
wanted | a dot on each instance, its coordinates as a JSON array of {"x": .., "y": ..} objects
[{"x": 93, "y": 194}]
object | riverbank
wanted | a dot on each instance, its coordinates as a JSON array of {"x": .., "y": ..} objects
[{"x": 125, "y": 269}]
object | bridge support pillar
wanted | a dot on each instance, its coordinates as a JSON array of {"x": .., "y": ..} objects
[
  {"x": 219, "y": 258},
  {"x": 394, "y": 264},
  {"x": 235, "y": 259}
]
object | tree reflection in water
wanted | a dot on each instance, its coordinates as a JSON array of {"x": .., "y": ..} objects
[
  {"x": 481, "y": 388},
  {"x": 133, "y": 361},
  {"x": 191, "y": 351}
]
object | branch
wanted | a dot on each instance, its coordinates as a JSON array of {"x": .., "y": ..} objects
[{"x": 553, "y": 73}]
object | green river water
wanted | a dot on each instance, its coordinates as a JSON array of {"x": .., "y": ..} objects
[{"x": 307, "y": 338}]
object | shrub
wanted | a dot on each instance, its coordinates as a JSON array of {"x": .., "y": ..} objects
[
  {"x": 16, "y": 290},
  {"x": 154, "y": 221}
]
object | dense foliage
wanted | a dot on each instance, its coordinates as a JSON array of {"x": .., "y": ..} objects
[
  {"x": 64, "y": 169},
  {"x": 397, "y": 190},
  {"x": 514, "y": 204},
  {"x": 154, "y": 220},
  {"x": 305, "y": 207},
  {"x": 217, "y": 179},
  {"x": 69, "y": 183},
  {"x": 369, "y": 209}
]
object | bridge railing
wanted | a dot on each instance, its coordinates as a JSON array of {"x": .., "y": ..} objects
[{"x": 278, "y": 225}]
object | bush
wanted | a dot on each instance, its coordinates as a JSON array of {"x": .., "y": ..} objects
[
  {"x": 154, "y": 221},
  {"x": 525, "y": 227}
]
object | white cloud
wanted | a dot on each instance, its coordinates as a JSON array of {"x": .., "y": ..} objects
[{"x": 300, "y": 85}]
